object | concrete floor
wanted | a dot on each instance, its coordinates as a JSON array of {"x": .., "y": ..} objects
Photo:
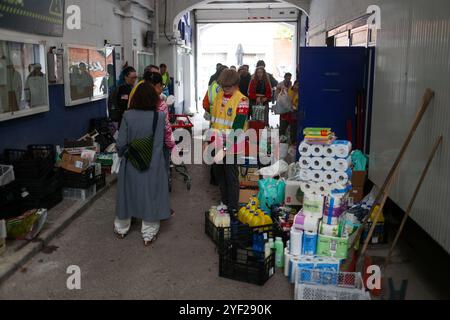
[{"x": 182, "y": 264}]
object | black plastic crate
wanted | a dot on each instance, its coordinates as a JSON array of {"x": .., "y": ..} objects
[
  {"x": 83, "y": 180},
  {"x": 239, "y": 233},
  {"x": 34, "y": 163},
  {"x": 41, "y": 188},
  {"x": 48, "y": 202},
  {"x": 10, "y": 201},
  {"x": 9, "y": 193},
  {"x": 100, "y": 181},
  {"x": 246, "y": 265}
]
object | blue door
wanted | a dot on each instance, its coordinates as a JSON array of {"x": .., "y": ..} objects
[{"x": 330, "y": 81}]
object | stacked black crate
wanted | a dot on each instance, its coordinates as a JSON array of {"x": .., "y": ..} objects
[{"x": 39, "y": 181}]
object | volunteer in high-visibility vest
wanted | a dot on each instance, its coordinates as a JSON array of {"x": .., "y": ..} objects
[
  {"x": 211, "y": 94},
  {"x": 230, "y": 112}
]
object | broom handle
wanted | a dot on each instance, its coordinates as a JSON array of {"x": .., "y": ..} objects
[{"x": 416, "y": 192}]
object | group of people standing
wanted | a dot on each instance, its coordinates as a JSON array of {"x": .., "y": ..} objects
[
  {"x": 143, "y": 114},
  {"x": 228, "y": 102}
]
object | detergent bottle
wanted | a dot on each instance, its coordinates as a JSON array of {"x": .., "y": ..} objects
[
  {"x": 242, "y": 213},
  {"x": 254, "y": 203},
  {"x": 248, "y": 216},
  {"x": 256, "y": 220}
]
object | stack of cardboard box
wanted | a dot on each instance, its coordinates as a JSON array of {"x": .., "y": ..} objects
[
  {"x": 248, "y": 182},
  {"x": 358, "y": 182}
]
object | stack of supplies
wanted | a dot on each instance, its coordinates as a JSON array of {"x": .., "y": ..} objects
[{"x": 319, "y": 135}]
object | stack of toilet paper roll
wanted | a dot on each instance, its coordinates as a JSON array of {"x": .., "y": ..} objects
[
  {"x": 325, "y": 168},
  {"x": 334, "y": 208}
]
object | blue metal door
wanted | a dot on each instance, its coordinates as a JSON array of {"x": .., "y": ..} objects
[{"x": 330, "y": 81}]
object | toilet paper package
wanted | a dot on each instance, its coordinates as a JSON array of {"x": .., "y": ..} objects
[
  {"x": 330, "y": 220},
  {"x": 335, "y": 201},
  {"x": 296, "y": 242},
  {"x": 318, "y": 151},
  {"x": 344, "y": 177},
  {"x": 307, "y": 187},
  {"x": 324, "y": 188},
  {"x": 305, "y": 149},
  {"x": 329, "y": 177},
  {"x": 329, "y": 164},
  {"x": 317, "y": 163},
  {"x": 304, "y": 223},
  {"x": 342, "y": 148},
  {"x": 318, "y": 175},
  {"x": 329, "y": 151},
  {"x": 343, "y": 164},
  {"x": 310, "y": 243},
  {"x": 329, "y": 230},
  {"x": 306, "y": 175},
  {"x": 305, "y": 162},
  {"x": 313, "y": 205}
]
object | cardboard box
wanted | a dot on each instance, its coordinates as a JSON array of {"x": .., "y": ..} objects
[
  {"x": 73, "y": 163},
  {"x": 294, "y": 194},
  {"x": 247, "y": 175},
  {"x": 246, "y": 193},
  {"x": 359, "y": 178},
  {"x": 357, "y": 194}
]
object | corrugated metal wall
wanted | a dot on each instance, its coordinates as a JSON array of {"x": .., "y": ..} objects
[{"x": 413, "y": 53}]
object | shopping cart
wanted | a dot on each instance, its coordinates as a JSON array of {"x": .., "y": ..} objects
[{"x": 179, "y": 121}]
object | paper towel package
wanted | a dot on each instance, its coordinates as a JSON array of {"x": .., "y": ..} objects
[
  {"x": 333, "y": 246},
  {"x": 296, "y": 242},
  {"x": 318, "y": 151},
  {"x": 313, "y": 205},
  {"x": 329, "y": 164},
  {"x": 344, "y": 177},
  {"x": 305, "y": 149},
  {"x": 317, "y": 163},
  {"x": 342, "y": 148},
  {"x": 305, "y": 223},
  {"x": 310, "y": 243},
  {"x": 294, "y": 193},
  {"x": 343, "y": 164},
  {"x": 305, "y": 162},
  {"x": 329, "y": 230}
]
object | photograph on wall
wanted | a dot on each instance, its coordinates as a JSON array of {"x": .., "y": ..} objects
[
  {"x": 23, "y": 79},
  {"x": 87, "y": 74}
]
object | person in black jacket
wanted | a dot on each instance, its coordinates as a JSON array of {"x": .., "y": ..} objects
[
  {"x": 246, "y": 77},
  {"x": 120, "y": 96}
]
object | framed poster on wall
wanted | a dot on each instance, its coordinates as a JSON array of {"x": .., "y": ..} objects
[
  {"x": 86, "y": 73},
  {"x": 23, "y": 78}
]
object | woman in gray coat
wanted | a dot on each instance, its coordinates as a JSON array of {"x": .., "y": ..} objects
[{"x": 142, "y": 195}]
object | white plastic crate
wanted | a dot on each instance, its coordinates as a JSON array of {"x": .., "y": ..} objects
[
  {"x": 79, "y": 194},
  {"x": 329, "y": 285},
  {"x": 6, "y": 175}
]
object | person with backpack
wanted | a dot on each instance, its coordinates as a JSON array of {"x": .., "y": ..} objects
[{"x": 143, "y": 190}]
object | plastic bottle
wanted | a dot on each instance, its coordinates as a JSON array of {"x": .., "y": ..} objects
[
  {"x": 279, "y": 253},
  {"x": 271, "y": 243},
  {"x": 267, "y": 250}
]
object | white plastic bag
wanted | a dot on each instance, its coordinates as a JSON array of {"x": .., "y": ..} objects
[
  {"x": 283, "y": 105},
  {"x": 277, "y": 169},
  {"x": 115, "y": 168}
]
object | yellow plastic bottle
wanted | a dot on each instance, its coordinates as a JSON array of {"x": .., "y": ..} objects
[
  {"x": 248, "y": 216},
  {"x": 254, "y": 203},
  {"x": 243, "y": 212},
  {"x": 256, "y": 220}
]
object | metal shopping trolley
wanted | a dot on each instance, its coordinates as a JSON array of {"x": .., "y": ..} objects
[{"x": 179, "y": 121}]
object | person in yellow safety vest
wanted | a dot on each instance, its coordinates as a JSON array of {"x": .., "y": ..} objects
[
  {"x": 211, "y": 94},
  {"x": 230, "y": 112}
]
